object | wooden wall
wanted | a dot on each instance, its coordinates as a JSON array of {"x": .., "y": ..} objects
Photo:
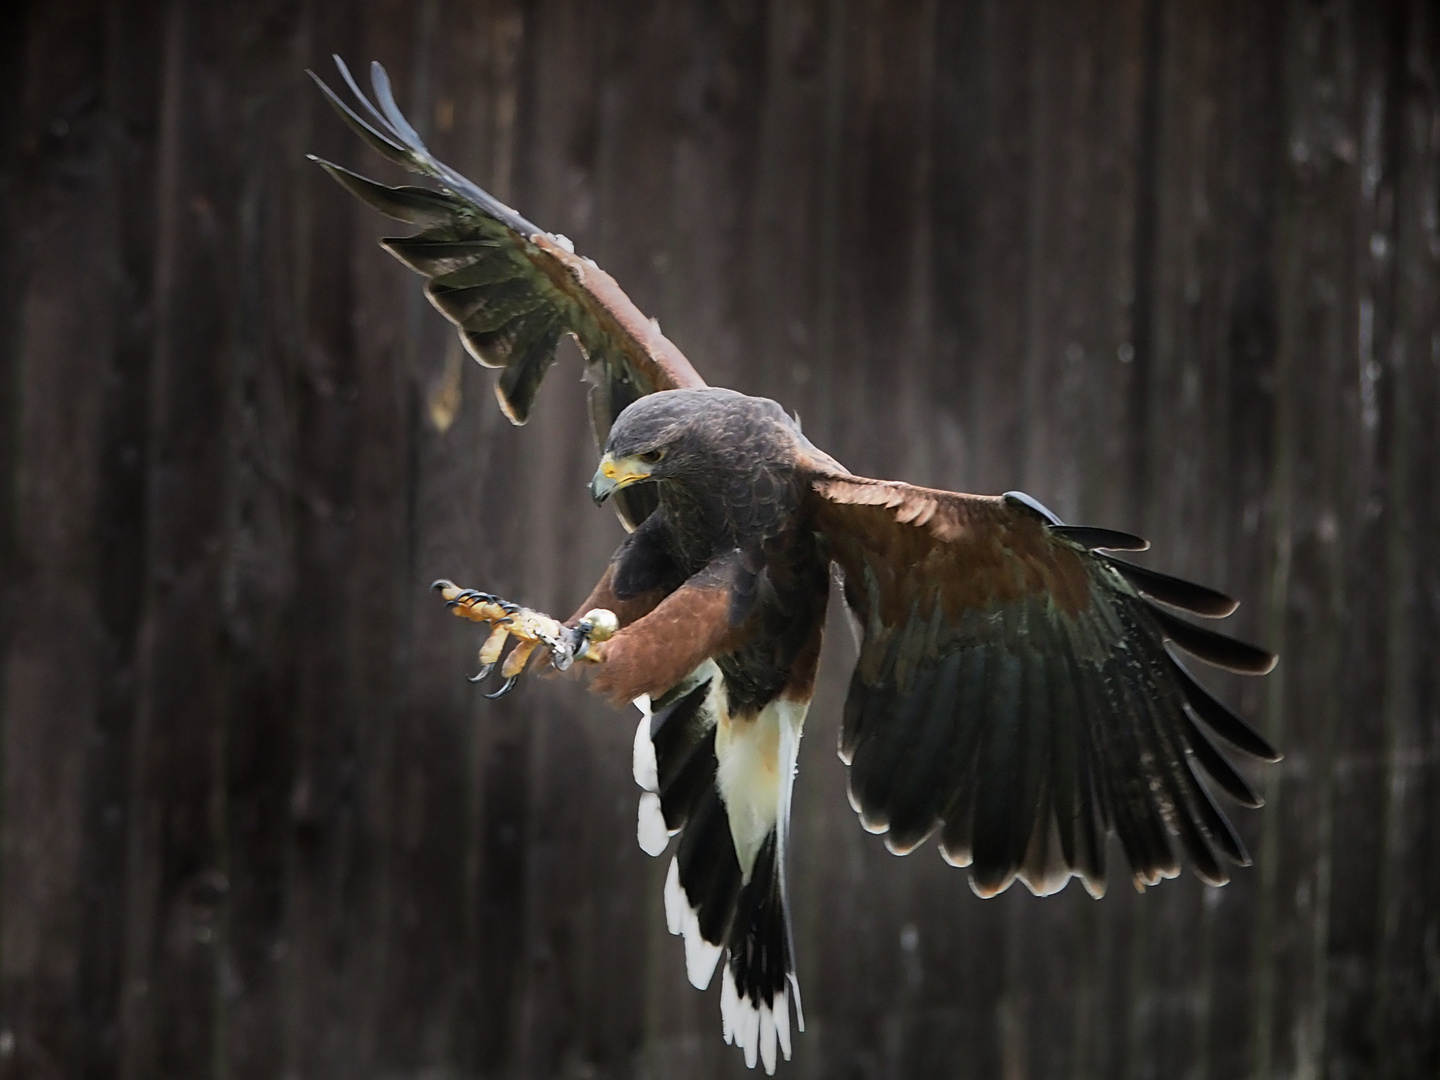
[{"x": 1169, "y": 265}]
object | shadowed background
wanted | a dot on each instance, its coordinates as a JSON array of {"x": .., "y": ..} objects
[{"x": 1171, "y": 266}]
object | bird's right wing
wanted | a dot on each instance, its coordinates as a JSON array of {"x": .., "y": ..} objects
[{"x": 511, "y": 288}]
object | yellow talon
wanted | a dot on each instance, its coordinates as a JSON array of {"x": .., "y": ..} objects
[
  {"x": 480, "y": 611},
  {"x": 472, "y": 605},
  {"x": 494, "y": 646},
  {"x": 518, "y": 658},
  {"x": 529, "y": 630}
]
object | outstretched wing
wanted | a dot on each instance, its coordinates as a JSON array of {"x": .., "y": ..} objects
[
  {"x": 511, "y": 288},
  {"x": 1017, "y": 689}
]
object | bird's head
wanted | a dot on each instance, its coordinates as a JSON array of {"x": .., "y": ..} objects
[{"x": 680, "y": 435}]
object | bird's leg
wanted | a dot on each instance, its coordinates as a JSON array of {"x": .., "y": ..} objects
[{"x": 530, "y": 629}]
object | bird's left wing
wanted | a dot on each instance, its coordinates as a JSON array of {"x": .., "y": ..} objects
[
  {"x": 1017, "y": 689},
  {"x": 511, "y": 288}
]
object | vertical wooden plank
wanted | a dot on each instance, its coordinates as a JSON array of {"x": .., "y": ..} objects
[
  {"x": 1139, "y": 292},
  {"x": 887, "y": 141},
  {"x": 1349, "y": 925},
  {"x": 1403, "y": 1012},
  {"x": 133, "y": 43},
  {"x": 261, "y": 586},
  {"x": 13, "y": 193},
  {"x": 56, "y": 345},
  {"x": 779, "y": 270},
  {"x": 350, "y": 497},
  {"x": 13, "y": 188},
  {"x": 177, "y": 886},
  {"x": 1249, "y": 91},
  {"x": 330, "y": 876},
  {"x": 831, "y": 123},
  {"x": 1317, "y": 428}
]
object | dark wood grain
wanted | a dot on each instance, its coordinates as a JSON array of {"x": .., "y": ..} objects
[
  {"x": 1171, "y": 266},
  {"x": 53, "y": 686}
]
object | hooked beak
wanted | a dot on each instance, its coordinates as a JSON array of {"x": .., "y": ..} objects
[{"x": 612, "y": 475}]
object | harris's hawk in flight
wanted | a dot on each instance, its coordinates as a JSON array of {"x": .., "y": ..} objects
[{"x": 1018, "y": 689}]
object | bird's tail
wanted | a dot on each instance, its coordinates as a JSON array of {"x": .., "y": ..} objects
[
  {"x": 725, "y": 891},
  {"x": 759, "y": 980}
]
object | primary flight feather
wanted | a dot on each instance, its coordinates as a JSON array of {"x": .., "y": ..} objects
[{"x": 1018, "y": 689}]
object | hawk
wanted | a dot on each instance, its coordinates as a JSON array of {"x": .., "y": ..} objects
[{"x": 1019, "y": 690}]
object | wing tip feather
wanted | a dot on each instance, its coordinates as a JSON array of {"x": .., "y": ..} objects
[{"x": 512, "y": 412}]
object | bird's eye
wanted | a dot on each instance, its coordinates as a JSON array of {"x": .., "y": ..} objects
[{"x": 650, "y": 457}]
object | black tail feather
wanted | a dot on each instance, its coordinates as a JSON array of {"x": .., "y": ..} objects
[{"x": 759, "y": 980}]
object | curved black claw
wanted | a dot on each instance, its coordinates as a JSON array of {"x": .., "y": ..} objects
[
  {"x": 483, "y": 674},
  {"x": 505, "y": 688}
]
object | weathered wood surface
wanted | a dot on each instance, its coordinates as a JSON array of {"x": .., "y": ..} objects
[{"x": 1170, "y": 265}]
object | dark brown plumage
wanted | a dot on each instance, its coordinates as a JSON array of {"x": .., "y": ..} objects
[{"x": 1017, "y": 689}]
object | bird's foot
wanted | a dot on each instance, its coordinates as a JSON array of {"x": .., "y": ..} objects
[{"x": 530, "y": 629}]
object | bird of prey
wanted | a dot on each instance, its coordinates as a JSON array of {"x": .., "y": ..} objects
[{"x": 1018, "y": 691}]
